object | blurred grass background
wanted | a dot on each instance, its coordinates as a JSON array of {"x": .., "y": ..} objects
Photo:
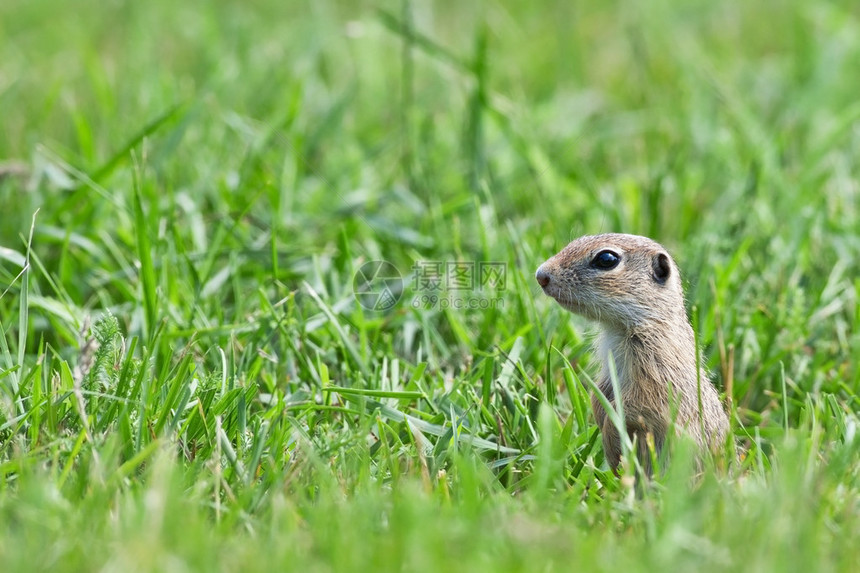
[{"x": 189, "y": 384}]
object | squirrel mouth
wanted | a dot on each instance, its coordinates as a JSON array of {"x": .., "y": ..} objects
[
  {"x": 564, "y": 299},
  {"x": 567, "y": 303},
  {"x": 562, "y": 294}
]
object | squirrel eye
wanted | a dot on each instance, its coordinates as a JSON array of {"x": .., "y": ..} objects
[{"x": 605, "y": 260}]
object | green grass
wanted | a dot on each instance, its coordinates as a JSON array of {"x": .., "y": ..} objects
[{"x": 187, "y": 382}]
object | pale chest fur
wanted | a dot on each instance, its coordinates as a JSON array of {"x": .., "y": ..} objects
[{"x": 655, "y": 378}]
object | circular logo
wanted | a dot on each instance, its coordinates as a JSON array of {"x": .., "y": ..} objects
[{"x": 377, "y": 285}]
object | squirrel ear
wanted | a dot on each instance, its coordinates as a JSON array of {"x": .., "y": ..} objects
[{"x": 661, "y": 267}]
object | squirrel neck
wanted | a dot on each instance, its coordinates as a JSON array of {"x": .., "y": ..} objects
[{"x": 648, "y": 353}]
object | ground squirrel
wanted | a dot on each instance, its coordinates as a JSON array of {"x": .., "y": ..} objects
[{"x": 631, "y": 287}]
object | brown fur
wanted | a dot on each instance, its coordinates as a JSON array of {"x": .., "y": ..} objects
[{"x": 639, "y": 305}]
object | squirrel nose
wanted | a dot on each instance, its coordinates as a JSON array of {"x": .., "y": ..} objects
[{"x": 542, "y": 277}]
